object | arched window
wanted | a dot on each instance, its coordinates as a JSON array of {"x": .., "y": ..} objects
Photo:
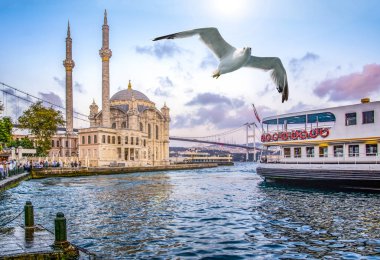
[
  {"x": 124, "y": 124},
  {"x": 144, "y": 142},
  {"x": 149, "y": 131},
  {"x": 103, "y": 139},
  {"x": 141, "y": 127},
  {"x": 119, "y": 140},
  {"x": 113, "y": 140},
  {"x": 108, "y": 139},
  {"x": 95, "y": 139},
  {"x": 131, "y": 140},
  {"x": 156, "y": 131},
  {"x": 126, "y": 140},
  {"x": 137, "y": 141},
  {"x": 114, "y": 125},
  {"x": 52, "y": 143},
  {"x": 89, "y": 139},
  {"x": 83, "y": 142}
]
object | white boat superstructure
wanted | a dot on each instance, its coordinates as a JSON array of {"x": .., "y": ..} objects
[
  {"x": 329, "y": 147},
  {"x": 346, "y": 134}
]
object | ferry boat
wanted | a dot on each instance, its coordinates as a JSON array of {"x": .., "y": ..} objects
[
  {"x": 335, "y": 147},
  {"x": 195, "y": 156}
]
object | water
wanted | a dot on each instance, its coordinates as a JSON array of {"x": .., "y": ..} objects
[{"x": 219, "y": 213}]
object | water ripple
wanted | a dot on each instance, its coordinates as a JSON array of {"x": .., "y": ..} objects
[{"x": 218, "y": 213}]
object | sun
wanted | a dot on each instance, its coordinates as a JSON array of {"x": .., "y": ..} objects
[{"x": 231, "y": 9}]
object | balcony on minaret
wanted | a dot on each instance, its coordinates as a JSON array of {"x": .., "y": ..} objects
[
  {"x": 69, "y": 64},
  {"x": 105, "y": 54}
]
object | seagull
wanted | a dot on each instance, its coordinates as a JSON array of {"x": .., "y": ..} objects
[{"x": 232, "y": 58}]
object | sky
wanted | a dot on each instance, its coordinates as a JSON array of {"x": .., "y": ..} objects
[{"x": 330, "y": 50}]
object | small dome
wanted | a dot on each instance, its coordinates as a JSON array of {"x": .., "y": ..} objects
[{"x": 126, "y": 94}]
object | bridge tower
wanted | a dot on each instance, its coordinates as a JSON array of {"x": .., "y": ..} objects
[
  {"x": 69, "y": 64},
  {"x": 105, "y": 53},
  {"x": 253, "y": 139}
]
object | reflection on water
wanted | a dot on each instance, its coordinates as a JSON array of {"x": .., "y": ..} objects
[{"x": 225, "y": 212}]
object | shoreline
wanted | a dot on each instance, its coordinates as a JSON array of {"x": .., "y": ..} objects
[{"x": 91, "y": 171}]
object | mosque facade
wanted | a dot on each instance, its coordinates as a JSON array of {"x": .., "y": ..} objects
[{"x": 128, "y": 131}]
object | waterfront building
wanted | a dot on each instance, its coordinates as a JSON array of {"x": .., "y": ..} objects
[{"x": 129, "y": 130}]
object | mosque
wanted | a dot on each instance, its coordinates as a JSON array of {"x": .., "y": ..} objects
[{"x": 128, "y": 131}]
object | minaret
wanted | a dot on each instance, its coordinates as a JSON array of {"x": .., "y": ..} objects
[
  {"x": 133, "y": 112},
  {"x": 69, "y": 64},
  {"x": 105, "y": 53}
]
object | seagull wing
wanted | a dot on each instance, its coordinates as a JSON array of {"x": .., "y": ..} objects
[
  {"x": 278, "y": 72},
  {"x": 210, "y": 36}
]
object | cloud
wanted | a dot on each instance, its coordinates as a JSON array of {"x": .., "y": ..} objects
[
  {"x": 268, "y": 88},
  {"x": 52, "y": 98},
  {"x": 297, "y": 66},
  {"x": 165, "y": 87},
  {"x": 217, "y": 110},
  {"x": 300, "y": 106},
  {"x": 209, "y": 61},
  {"x": 79, "y": 87},
  {"x": 221, "y": 117},
  {"x": 62, "y": 83},
  {"x": 215, "y": 99},
  {"x": 160, "y": 49},
  {"x": 352, "y": 86},
  {"x": 15, "y": 103}
]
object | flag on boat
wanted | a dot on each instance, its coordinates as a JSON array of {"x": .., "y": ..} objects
[{"x": 256, "y": 114}]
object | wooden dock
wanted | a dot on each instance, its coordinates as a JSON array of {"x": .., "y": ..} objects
[{"x": 36, "y": 243}]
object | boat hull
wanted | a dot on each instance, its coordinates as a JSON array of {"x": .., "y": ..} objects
[{"x": 357, "y": 178}]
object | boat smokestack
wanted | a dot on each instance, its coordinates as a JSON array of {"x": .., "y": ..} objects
[{"x": 365, "y": 100}]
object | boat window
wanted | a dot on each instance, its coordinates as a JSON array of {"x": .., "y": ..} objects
[
  {"x": 310, "y": 151},
  {"x": 323, "y": 151},
  {"x": 301, "y": 119},
  {"x": 371, "y": 149},
  {"x": 297, "y": 152},
  {"x": 338, "y": 150},
  {"x": 321, "y": 117},
  {"x": 351, "y": 119},
  {"x": 368, "y": 117},
  {"x": 286, "y": 152},
  {"x": 353, "y": 150}
]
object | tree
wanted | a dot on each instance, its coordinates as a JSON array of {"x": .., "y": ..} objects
[
  {"x": 23, "y": 142},
  {"x": 43, "y": 123},
  {"x": 5, "y": 130}
]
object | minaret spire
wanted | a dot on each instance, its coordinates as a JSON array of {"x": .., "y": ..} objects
[
  {"x": 69, "y": 64},
  {"x": 68, "y": 28},
  {"x": 105, "y": 53}
]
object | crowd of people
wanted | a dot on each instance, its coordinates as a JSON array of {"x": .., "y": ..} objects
[{"x": 12, "y": 167}]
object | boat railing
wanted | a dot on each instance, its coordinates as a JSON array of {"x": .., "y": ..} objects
[
  {"x": 298, "y": 127},
  {"x": 329, "y": 158}
]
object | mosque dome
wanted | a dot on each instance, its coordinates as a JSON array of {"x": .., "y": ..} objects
[{"x": 126, "y": 95}]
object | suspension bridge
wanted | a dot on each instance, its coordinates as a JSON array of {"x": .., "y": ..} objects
[{"x": 15, "y": 101}]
